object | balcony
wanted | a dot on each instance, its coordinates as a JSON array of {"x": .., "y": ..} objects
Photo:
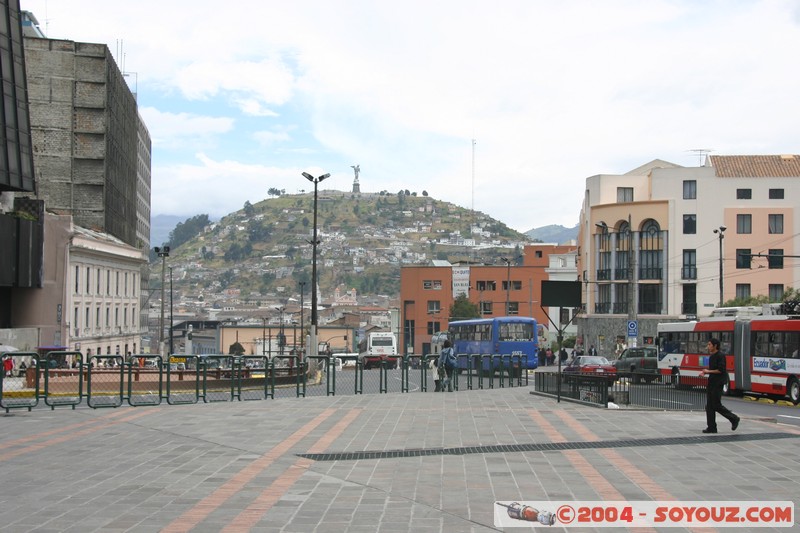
[
  {"x": 604, "y": 274},
  {"x": 620, "y": 308},
  {"x": 622, "y": 273},
  {"x": 602, "y": 308},
  {"x": 650, "y": 273}
]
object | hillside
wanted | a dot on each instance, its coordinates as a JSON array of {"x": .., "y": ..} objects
[
  {"x": 265, "y": 248},
  {"x": 553, "y": 233}
]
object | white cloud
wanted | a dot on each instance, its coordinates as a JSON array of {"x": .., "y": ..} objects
[{"x": 553, "y": 91}]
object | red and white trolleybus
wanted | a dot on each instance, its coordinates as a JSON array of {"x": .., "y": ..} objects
[{"x": 761, "y": 353}]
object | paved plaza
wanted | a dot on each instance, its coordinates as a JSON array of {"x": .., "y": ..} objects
[{"x": 392, "y": 462}]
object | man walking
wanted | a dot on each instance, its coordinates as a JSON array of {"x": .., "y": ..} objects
[{"x": 716, "y": 373}]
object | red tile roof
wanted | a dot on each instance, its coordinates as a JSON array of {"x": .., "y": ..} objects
[{"x": 756, "y": 166}]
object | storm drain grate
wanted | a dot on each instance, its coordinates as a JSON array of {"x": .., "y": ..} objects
[{"x": 542, "y": 447}]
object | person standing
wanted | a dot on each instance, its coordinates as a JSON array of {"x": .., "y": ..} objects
[
  {"x": 447, "y": 361},
  {"x": 592, "y": 350},
  {"x": 716, "y": 373}
]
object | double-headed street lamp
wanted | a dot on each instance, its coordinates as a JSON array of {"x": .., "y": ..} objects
[
  {"x": 314, "y": 243},
  {"x": 302, "y": 328},
  {"x": 163, "y": 253},
  {"x": 721, "y": 232}
]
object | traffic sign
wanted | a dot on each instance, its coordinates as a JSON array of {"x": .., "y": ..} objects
[{"x": 633, "y": 328}]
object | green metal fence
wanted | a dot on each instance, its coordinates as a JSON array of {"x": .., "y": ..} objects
[{"x": 67, "y": 379}]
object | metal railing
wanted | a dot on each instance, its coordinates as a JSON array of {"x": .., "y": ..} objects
[
  {"x": 66, "y": 379},
  {"x": 638, "y": 390}
]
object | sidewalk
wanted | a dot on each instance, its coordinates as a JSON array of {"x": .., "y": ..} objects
[{"x": 398, "y": 462}]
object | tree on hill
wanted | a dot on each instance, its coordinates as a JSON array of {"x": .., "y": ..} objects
[{"x": 186, "y": 231}]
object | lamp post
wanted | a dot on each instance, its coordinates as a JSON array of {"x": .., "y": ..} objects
[
  {"x": 721, "y": 232},
  {"x": 171, "y": 321},
  {"x": 302, "y": 328},
  {"x": 263, "y": 336},
  {"x": 281, "y": 334},
  {"x": 314, "y": 243},
  {"x": 163, "y": 253},
  {"x": 508, "y": 281}
]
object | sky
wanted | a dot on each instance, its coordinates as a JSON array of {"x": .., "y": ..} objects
[{"x": 503, "y": 106}]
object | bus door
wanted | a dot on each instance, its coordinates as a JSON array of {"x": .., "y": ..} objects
[{"x": 742, "y": 360}]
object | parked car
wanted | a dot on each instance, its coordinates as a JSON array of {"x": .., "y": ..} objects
[
  {"x": 640, "y": 363},
  {"x": 594, "y": 365}
]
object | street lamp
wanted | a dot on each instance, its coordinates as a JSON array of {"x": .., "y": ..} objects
[
  {"x": 163, "y": 253},
  {"x": 171, "y": 319},
  {"x": 281, "y": 334},
  {"x": 314, "y": 243},
  {"x": 721, "y": 232},
  {"x": 302, "y": 328},
  {"x": 508, "y": 281}
]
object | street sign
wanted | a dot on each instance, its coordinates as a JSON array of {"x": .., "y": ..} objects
[{"x": 633, "y": 328}]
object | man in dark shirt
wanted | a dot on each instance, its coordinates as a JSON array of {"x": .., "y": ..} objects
[{"x": 716, "y": 373}]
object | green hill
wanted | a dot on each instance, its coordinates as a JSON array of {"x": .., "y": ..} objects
[{"x": 265, "y": 248}]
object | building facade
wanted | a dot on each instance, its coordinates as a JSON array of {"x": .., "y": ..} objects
[
  {"x": 511, "y": 288},
  {"x": 21, "y": 222},
  {"x": 654, "y": 241},
  {"x": 92, "y": 149}
]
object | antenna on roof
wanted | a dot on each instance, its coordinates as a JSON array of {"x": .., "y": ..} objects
[{"x": 702, "y": 153}]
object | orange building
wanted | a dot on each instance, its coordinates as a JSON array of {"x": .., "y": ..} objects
[{"x": 510, "y": 288}]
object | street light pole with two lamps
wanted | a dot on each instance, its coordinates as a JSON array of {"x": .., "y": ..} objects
[
  {"x": 302, "y": 325},
  {"x": 314, "y": 243},
  {"x": 721, "y": 232},
  {"x": 163, "y": 253}
]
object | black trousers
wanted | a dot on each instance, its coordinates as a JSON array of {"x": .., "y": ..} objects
[{"x": 714, "y": 406}]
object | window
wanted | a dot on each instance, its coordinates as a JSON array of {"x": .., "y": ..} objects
[
  {"x": 624, "y": 194},
  {"x": 538, "y": 254},
  {"x": 432, "y": 285},
  {"x": 775, "y": 292},
  {"x": 742, "y": 291},
  {"x": 486, "y": 308},
  {"x": 775, "y": 259},
  {"x": 689, "y": 269},
  {"x": 77, "y": 279},
  {"x": 689, "y": 305},
  {"x": 108, "y": 282},
  {"x": 108, "y": 317},
  {"x": 689, "y": 224},
  {"x": 689, "y": 189},
  {"x": 744, "y": 224},
  {"x": 775, "y": 224},
  {"x": 743, "y": 258},
  {"x": 98, "y": 285},
  {"x": 116, "y": 317},
  {"x": 87, "y": 324},
  {"x": 88, "y": 280},
  {"x": 434, "y": 327},
  {"x": 126, "y": 284},
  {"x": 486, "y": 285},
  {"x": 744, "y": 194},
  {"x": 513, "y": 308},
  {"x": 776, "y": 194},
  {"x": 515, "y": 285},
  {"x": 117, "y": 284},
  {"x": 97, "y": 323},
  {"x": 434, "y": 306}
]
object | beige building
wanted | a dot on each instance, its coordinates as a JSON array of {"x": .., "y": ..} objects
[
  {"x": 90, "y": 297},
  {"x": 654, "y": 241}
]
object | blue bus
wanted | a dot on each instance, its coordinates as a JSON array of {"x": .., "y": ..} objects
[{"x": 505, "y": 335}]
